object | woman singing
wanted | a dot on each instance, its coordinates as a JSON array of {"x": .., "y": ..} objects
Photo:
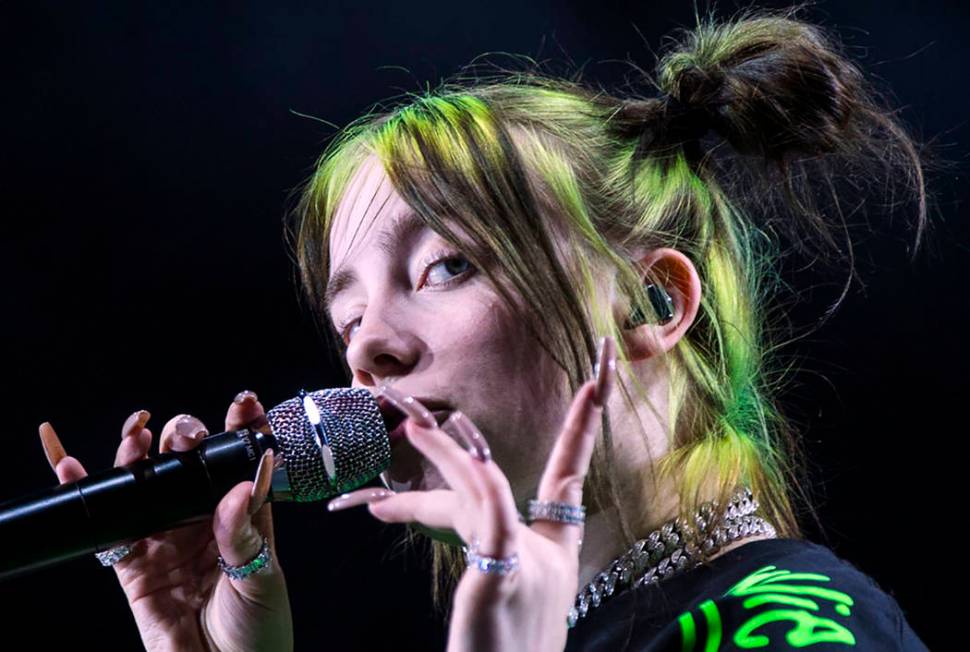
[{"x": 568, "y": 293}]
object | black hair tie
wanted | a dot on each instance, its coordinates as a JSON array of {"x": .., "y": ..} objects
[{"x": 683, "y": 122}]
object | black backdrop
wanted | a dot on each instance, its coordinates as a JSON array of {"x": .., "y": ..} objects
[{"x": 147, "y": 154}]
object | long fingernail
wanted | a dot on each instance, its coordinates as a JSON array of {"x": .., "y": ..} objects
[
  {"x": 53, "y": 449},
  {"x": 261, "y": 484},
  {"x": 474, "y": 441},
  {"x": 359, "y": 497},
  {"x": 135, "y": 422},
  {"x": 245, "y": 396},
  {"x": 604, "y": 370},
  {"x": 190, "y": 427},
  {"x": 409, "y": 406}
]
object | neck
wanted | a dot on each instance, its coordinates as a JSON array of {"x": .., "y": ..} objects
[
  {"x": 601, "y": 545},
  {"x": 640, "y": 438},
  {"x": 603, "y": 538},
  {"x": 603, "y": 542},
  {"x": 647, "y": 504}
]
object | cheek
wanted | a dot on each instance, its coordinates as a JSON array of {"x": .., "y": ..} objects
[
  {"x": 493, "y": 355},
  {"x": 510, "y": 387}
]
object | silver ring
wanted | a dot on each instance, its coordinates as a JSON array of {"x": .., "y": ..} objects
[
  {"x": 112, "y": 556},
  {"x": 540, "y": 510},
  {"x": 255, "y": 565},
  {"x": 490, "y": 565}
]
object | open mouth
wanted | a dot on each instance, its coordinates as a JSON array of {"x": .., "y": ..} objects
[
  {"x": 394, "y": 418},
  {"x": 391, "y": 415},
  {"x": 409, "y": 469}
]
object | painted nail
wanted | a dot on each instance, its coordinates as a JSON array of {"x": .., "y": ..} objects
[
  {"x": 359, "y": 497},
  {"x": 409, "y": 406},
  {"x": 244, "y": 397},
  {"x": 190, "y": 427},
  {"x": 261, "y": 484},
  {"x": 53, "y": 449},
  {"x": 604, "y": 370},
  {"x": 474, "y": 441},
  {"x": 135, "y": 423}
]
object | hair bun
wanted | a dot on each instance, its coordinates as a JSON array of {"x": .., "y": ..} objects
[
  {"x": 690, "y": 110},
  {"x": 694, "y": 85},
  {"x": 684, "y": 122}
]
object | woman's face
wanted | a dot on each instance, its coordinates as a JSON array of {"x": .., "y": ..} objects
[{"x": 414, "y": 314}]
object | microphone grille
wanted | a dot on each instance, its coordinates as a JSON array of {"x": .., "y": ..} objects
[{"x": 351, "y": 422}]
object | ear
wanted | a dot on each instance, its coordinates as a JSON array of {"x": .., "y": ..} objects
[{"x": 677, "y": 275}]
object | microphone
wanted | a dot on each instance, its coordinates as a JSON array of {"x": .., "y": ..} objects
[{"x": 324, "y": 443}]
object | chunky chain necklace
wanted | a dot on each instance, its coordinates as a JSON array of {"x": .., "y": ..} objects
[{"x": 672, "y": 549}]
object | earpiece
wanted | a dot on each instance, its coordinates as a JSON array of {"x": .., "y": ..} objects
[{"x": 662, "y": 304}]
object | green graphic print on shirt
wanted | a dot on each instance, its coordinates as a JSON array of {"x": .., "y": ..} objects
[{"x": 793, "y": 597}]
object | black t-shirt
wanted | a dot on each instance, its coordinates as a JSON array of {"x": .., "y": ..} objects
[{"x": 771, "y": 594}]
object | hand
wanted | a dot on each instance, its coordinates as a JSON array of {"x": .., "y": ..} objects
[
  {"x": 178, "y": 595},
  {"x": 527, "y": 608}
]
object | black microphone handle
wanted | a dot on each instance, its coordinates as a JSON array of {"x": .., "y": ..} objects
[{"x": 126, "y": 503}]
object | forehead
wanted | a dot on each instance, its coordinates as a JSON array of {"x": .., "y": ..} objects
[
  {"x": 369, "y": 202},
  {"x": 372, "y": 212}
]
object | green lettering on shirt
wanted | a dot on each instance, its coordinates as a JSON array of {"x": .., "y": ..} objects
[{"x": 793, "y": 601}]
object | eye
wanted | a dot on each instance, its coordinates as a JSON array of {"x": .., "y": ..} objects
[
  {"x": 444, "y": 269},
  {"x": 342, "y": 329},
  {"x": 455, "y": 268}
]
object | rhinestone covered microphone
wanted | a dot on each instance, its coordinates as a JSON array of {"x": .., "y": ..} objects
[{"x": 325, "y": 443}]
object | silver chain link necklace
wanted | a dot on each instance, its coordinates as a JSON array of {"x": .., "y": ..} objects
[{"x": 671, "y": 549}]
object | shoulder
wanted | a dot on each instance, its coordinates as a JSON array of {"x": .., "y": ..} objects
[
  {"x": 789, "y": 594},
  {"x": 775, "y": 594}
]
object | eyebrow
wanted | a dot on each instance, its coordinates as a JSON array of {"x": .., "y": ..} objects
[{"x": 402, "y": 229}]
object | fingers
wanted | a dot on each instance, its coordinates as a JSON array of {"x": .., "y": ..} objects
[
  {"x": 359, "y": 497},
  {"x": 261, "y": 485},
  {"x": 181, "y": 433},
  {"x": 53, "y": 449},
  {"x": 135, "y": 439},
  {"x": 434, "y": 509},
  {"x": 568, "y": 464},
  {"x": 245, "y": 411},
  {"x": 446, "y": 454},
  {"x": 469, "y": 471},
  {"x": 430, "y": 512},
  {"x": 134, "y": 446},
  {"x": 498, "y": 503},
  {"x": 458, "y": 424},
  {"x": 259, "y": 509},
  {"x": 569, "y": 460},
  {"x": 240, "y": 522},
  {"x": 479, "y": 505},
  {"x": 134, "y": 423},
  {"x": 66, "y": 468},
  {"x": 604, "y": 372}
]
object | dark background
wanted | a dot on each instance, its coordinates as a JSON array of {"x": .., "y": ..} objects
[{"x": 147, "y": 154}]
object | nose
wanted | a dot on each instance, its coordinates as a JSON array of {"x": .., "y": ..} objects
[{"x": 379, "y": 351}]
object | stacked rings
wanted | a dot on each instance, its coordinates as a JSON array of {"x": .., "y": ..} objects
[
  {"x": 490, "y": 565},
  {"x": 258, "y": 563},
  {"x": 558, "y": 512}
]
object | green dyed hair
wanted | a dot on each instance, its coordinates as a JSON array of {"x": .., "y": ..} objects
[{"x": 767, "y": 117}]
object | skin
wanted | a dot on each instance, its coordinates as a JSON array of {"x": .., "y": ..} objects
[
  {"x": 420, "y": 320},
  {"x": 441, "y": 332},
  {"x": 178, "y": 597}
]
